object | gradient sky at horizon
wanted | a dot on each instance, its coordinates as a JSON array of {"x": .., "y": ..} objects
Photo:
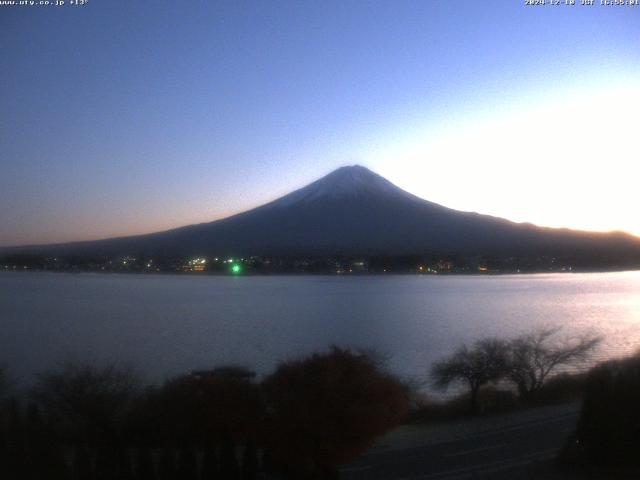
[{"x": 124, "y": 117}]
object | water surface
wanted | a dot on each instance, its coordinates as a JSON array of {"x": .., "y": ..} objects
[{"x": 170, "y": 324}]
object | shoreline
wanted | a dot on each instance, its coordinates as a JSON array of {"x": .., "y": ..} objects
[{"x": 322, "y": 274}]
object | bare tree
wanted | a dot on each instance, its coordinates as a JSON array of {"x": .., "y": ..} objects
[
  {"x": 86, "y": 400},
  {"x": 484, "y": 363},
  {"x": 533, "y": 357}
]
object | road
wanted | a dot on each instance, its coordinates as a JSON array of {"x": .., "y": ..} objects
[{"x": 516, "y": 446}]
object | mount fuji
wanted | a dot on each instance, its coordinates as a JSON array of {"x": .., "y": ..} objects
[{"x": 354, "y": 211}]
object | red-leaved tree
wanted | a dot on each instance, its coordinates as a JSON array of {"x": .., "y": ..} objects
[{"x": 329, "y": 408}]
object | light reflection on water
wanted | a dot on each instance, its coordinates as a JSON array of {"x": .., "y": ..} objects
[{"x": 170, "y": 324}]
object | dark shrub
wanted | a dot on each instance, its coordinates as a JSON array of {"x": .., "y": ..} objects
[
  {"x": 210, "y": 467},
  {"x": 187, "y": 463},
  {"x": 144, "y": 464},
  {"x": 229, "y": 468},
  {"x": 249, "y": 462},
  {"x": 562, "y": 388},
  {"x": 609, "y": 426},
  {"x": 327, "y": 409},
  {"x": 167, "y": 466},
  {"x": 82, "y": 468},
  {"x": 198, "y": 410}
]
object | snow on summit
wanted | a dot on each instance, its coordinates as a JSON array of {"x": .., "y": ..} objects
[{"x": 345, "y": 182}]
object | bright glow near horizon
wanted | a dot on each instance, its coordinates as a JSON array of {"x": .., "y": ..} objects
[{"x": 569, "y": 161}]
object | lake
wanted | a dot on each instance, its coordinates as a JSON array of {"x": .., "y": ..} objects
[{"x": 171, "y": 324}]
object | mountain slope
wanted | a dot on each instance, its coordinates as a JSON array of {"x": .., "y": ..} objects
[{"x": 355, "y": 211}]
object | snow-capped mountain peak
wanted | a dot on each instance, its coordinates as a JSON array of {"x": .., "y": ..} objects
[{"x": 345, "y": 182}]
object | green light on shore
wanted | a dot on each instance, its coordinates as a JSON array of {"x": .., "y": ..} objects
[{"x": 235, "y": 268}]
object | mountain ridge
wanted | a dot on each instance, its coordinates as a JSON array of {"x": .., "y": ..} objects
[{"x": 353, "y": 210}]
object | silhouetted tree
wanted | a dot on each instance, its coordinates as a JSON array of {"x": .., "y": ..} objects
[
  {"x": 210, "y": 468},
  {"x": 82, "y": 468},
  {"x": 144, "y": 423},
  {"x": 5, "y": 383},
  {"x": 113, "y": 462},
  {"x": 533, "y": 357},
  {"x": 43, "y": 454},
  {"x": 124, "y": 469},
  {"x": 328, "y": 408},
  {"x": 144, "y": 465},
  {"x": 4, "y": 441},
  {"x": 229, "y": 469},
  {"x": 187, "y": 463},
  {"x": 16, "y": 466},
  {"x": 267, "y": 465},
  {"x": 167, "y": 467},
  {"x": 197, "y": 409},
  {"x": 87, "y": 402},
  {"x": 609, "y": 424},
  {"x": 106, "y": 462},
  {"x": 484, "y": 363},
  {"x": 249, "y": 462}
]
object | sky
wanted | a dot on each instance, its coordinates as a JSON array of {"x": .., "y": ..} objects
[{"x": 124, "y": 117}]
